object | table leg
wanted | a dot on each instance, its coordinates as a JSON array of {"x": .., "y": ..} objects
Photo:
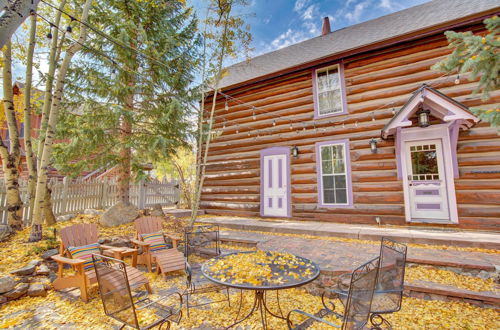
[
  {"x": 279, "y": 307},
  {"x": 257, "y": 301}
]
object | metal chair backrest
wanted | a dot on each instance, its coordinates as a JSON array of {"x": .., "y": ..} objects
[
  {"x": 202, "y": 241},
  {"x": 78, "y": 235},
  {"x": 359, "y": 299},
  {"x": 115, "y": 290},
  {"x": 390, "y": 281}
]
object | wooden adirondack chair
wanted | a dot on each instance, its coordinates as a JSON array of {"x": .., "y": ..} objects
[
  {"x": 84, "y": 234},
  {"x": 166, "y": 260}
]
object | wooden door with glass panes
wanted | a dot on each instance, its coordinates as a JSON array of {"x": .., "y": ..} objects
[{"x": 426, "y": 180}]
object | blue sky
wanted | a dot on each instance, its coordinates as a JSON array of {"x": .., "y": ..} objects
[{"x": 279, "y": 23}]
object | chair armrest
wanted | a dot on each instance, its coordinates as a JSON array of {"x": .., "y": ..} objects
[
  {"x": 173, "y": 237},
  {"x": 140, "y": 243},
  {"x": 106, "y": 247},
  {"x": 63, "y": 260}
]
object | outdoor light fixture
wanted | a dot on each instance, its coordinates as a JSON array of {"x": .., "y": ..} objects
[
  {"x": 373, "y": 145},
  {"x": 423, "y": 117},
  {"x": 295, "y": 152}
]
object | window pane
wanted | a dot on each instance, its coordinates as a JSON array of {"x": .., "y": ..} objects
[
  {"x": 334, "y": 101},
  {"x": 327, "y": 182},
  {"x": 326, "y": 153},
  {"x": 333, "y": 79},
  {"x": 338, "y": 151},
  {"x": 339, "y": 181},
  {"x": 339, "y": 166},
  {"x": 327, "y": 167},
  {"x": 341, "y": 196},
  {"x": 324, "y": 106},
  {"x": 329, "y": 196},
  {"x": 322, "y": 81},
  {"x": 424, "y": 162}
]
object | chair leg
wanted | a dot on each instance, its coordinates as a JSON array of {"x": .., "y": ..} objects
[
  {"x": 378, "y": 322},
  {"x": 84, "y": 294},
  {"x": 148, "y": 263},
  {"x": 148, "y": 288}
]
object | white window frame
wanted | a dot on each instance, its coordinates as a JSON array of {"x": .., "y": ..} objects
[
  {"x": 341, "y": 88},
  {"x": 347, "y": 173}
]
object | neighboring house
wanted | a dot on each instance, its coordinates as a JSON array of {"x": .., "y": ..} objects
[
  {"x": 36, "y": 120},
  {"x": 297, "y": 124}
]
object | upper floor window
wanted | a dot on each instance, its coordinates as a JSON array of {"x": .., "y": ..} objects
[{"x": 329, "y": 91}]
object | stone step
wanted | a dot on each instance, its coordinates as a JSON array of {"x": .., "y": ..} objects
[
  {"x": 181, "y": 213},
  {"x": 236, "y": 240},
  {"x": 436, "y": 291},
  {"x": 434, "y": 236}
]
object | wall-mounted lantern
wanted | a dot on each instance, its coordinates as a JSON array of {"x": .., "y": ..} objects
[
  {"x": 423, "y": 117},
  {"x": 373, "y": 145},
  {"x": 295, "y": 151}
]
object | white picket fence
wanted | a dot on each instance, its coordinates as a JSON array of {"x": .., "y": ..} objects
[{"x": 76, "y": 195}]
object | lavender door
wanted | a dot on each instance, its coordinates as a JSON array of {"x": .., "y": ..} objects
[
  {"x": 274, "y": 182},
  {"x": 426, "y": 180}
]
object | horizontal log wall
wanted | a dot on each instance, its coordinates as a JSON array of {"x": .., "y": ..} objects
[{"x": 376, "y": 84}]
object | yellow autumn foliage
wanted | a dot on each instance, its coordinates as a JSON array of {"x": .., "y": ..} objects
[
  {"x": 447, "y": 277},
  {"x": 57, "y": 310}
]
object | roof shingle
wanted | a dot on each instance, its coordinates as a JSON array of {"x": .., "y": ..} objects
[{"x": 403, "y": 22}]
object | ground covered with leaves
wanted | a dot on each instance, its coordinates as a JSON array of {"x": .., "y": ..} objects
[{"x": 65, "y": 310}]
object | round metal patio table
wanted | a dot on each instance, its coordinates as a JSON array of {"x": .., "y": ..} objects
[{"x": 290, "y": 276}]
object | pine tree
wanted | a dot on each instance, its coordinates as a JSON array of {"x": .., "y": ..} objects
[
  {"x": 480, "y": 57},
  {"x": 129, "y": 101}
]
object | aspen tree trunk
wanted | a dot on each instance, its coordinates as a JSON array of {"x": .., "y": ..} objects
[
  {"x": 11, "y": 156},
  {"x": 47, "y": 100},
  {"x": 36, "y": 229},
  {"x": 203, "y": 161},
  {"x": 28, "y": 145}
]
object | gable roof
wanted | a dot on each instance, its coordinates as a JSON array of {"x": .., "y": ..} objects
[
  {"x": 426, "y": 16},
  {"x": 441, "y": 106}
]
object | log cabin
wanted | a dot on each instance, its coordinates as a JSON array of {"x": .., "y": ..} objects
[{"x": 354, "y": 126}]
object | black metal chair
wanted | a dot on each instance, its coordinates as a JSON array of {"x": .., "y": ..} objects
[
  {"x": 202, "y": 241},
  {"x": 358, "y": 303},
  {"x": 388, "y": 294},
  {"x": 120, "y": 304}
]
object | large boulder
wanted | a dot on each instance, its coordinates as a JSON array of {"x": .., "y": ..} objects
[
  {"x": 7, "y": 283},
  {"x": 157, "y": 211},
  {"x": 119, "y": 214}
]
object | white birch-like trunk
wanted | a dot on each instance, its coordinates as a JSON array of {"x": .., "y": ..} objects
[
  {"x": 11, "y": 155},
  {"x": 28, "y": 145},
  {"x": 36, "y": 230}
]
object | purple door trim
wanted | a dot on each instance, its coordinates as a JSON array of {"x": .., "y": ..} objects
[{"x": 270, "y": 152}]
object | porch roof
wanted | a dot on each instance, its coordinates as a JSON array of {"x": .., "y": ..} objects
[{"x": 441, "y": 106}]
